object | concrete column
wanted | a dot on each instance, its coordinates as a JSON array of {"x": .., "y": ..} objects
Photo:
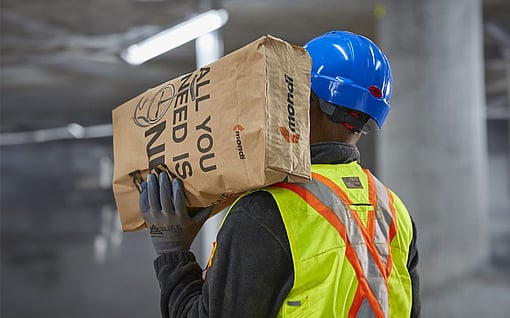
[{"x": 432, "y": 149}]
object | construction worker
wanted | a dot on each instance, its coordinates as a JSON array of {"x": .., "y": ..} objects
[{"x": 342, "y": 245}]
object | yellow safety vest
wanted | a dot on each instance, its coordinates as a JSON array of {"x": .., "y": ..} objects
[{"x": 349, "y": 237}]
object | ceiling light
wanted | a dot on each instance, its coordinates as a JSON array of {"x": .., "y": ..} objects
[{"x": 175, "y": 36}]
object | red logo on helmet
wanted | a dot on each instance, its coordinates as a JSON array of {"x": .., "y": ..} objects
[{"x": 376, "y": 91}]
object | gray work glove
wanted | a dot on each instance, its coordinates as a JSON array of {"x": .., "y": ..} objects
[{"x": 163, "y": 208}]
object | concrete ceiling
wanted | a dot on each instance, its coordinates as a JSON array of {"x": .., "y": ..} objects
[{"x": 60, "y": 58}]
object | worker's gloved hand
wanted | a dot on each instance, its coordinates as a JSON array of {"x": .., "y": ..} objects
[{"x": 163, "y": 208}]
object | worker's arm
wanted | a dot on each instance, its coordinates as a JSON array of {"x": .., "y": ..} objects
[
  {"x": 412, "y": 263},
  {"x": 251, "y": 271}
]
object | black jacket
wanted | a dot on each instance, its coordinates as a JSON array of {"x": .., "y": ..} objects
[{"x": 252, "y": 270}]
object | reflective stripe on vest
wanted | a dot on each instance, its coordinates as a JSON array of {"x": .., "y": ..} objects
[{"x": 366, "y": 242}]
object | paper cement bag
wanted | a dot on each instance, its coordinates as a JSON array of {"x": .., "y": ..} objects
[{"x": 237, "y": 124}]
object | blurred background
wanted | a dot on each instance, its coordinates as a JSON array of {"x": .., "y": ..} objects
[{"x": 444, "y": 148}]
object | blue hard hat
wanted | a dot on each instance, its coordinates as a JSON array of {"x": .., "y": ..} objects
[{"x": 350, "y": 71}]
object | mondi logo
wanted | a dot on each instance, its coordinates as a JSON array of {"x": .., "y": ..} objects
[
  {"x": 290, "y": 103},
  {"x": 289, "y": 132},
  {"x": 238, "y": 129},
  {"x": 289, "y": 137},
  {"x": 150, "y": 112}
]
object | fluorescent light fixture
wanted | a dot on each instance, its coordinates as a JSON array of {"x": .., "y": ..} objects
[
  {"x": 208, "y": 48},
  {"x": 177, "y": 35}
]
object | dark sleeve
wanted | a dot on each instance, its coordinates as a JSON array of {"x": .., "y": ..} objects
[
  {"x": 251, "y": 272},
  {"x": 412, "y": 267}
]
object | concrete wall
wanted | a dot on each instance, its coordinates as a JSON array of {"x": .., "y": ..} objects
[{"x": 63, "y": 253}]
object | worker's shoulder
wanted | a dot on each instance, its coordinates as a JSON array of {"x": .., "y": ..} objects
[
  {"x": 255, "y": 201},
  {"x": 257, "y": 206}
]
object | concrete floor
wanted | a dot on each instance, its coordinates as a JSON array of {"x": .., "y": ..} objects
[{"x": 482, "y": 294}]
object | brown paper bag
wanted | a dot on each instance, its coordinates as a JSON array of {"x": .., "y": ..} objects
[{"x": 238, "y": 124}]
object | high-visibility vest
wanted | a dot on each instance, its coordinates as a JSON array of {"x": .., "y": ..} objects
[{"x": 349, "y": 237}]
